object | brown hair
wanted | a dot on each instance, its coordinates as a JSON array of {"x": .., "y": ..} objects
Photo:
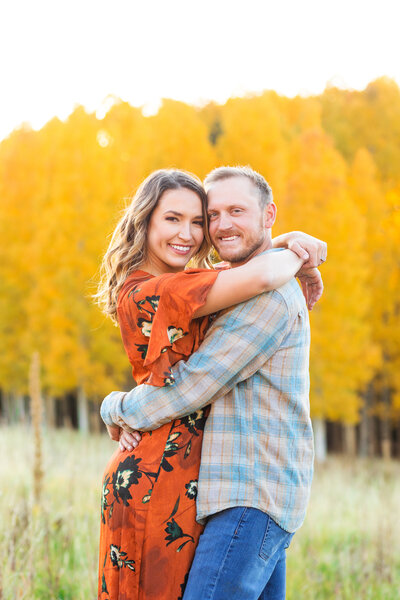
[
  {"x": 221, "y": 173},
  {"x": 128, "y": 246}
]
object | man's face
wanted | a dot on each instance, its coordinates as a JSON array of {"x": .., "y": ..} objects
[{"x": 239, "y": 227}]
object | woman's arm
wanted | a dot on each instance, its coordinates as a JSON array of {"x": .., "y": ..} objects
[
  {"x": 262, "y": 273},
  {"x": 313, "y": 250}
]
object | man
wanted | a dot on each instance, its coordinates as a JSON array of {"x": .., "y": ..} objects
[{"x": 257, "y": 456}]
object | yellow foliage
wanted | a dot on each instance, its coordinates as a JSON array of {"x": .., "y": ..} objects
[{"x": 334, "y": 165}]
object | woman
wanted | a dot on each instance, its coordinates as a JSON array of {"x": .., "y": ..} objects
[{"x": 148, "y": 527}]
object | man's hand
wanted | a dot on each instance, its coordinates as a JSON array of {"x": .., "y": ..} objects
[
  {"x": 113, "y": 432},
  {"x": 311, "y": 284},
  {"x": 312, "y": 250}
]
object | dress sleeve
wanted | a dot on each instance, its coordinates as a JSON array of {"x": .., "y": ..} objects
[{"x": 161, "y": 309}]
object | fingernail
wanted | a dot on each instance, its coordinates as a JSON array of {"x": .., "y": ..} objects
[{"x": 129, "y": 447}]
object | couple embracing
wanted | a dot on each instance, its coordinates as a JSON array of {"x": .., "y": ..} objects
[{"x": 204, "y": 501}]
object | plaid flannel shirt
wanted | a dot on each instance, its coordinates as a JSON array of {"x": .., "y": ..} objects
[{"x": 258, "y": 441}]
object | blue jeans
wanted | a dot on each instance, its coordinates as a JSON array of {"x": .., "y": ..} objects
[{"x": 241, "y": 556}]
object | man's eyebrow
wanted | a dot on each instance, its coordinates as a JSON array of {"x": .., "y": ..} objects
[{"x": 234, "y": 205}]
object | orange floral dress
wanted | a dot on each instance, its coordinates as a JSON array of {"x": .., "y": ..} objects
[{"x": 149, "y": 531}]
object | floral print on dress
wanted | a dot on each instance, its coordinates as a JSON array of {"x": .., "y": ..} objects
[
  {"x": 118, "y": 560},
  {"x": 175, "y": 333},
  {"x": 191, "y": 489},
  {"x": 148, "y": 503},
  {"x": 128, "y": 473}
]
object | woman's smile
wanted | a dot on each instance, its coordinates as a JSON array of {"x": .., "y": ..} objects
[{"x": 180, "y": 249}]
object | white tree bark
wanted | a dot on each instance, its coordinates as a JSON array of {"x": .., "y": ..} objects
[
  {"x": 320, "y": 440},
  {"x": 83, "y": 410}
]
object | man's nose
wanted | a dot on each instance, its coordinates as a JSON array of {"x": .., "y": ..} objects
[{"x": 225, "y": 222}]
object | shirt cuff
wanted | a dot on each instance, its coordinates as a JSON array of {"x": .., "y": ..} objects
[{"x": 108, "y": 407}]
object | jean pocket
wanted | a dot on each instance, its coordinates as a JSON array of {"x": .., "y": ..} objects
[{"x": 274, "y": 540}]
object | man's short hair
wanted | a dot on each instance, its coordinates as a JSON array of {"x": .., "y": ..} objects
[{"x": 260, "y": 183}]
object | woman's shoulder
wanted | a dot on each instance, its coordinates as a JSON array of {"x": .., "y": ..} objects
[
  {"x": 170, "y": 283},
  {"x": 131, "y": 283}
]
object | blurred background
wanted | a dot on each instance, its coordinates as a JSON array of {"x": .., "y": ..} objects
[{"x": 94, "y": 97}]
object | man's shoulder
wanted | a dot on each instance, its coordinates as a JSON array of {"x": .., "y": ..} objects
[
  {"x": 291, "y": 293},
  {"x": 288, "y": 295}
]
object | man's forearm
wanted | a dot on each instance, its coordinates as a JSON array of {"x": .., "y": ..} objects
[
  {"x": 142, "y": 409},
  {"x": 234, "y": 349}
]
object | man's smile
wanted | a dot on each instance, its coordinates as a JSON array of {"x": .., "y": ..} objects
[{"x": 228, "y": 238}]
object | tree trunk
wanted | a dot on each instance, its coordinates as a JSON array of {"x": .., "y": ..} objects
[
  {"x": 96, "y": 423},
  {"x": 320, "y": 440},
  {"x": 385, "y": 427},
  {"x": 50, "y": 411},
  {"x": 350, "y": 440},
  {"x": 83, "y": 410},
  {"x": 366, "y": 425},
  {"x": 20, "y": 410},
  {"x": 37, "y": 416},
  {"x": 6, "y": 408}
]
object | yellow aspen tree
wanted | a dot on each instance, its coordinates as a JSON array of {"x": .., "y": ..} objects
[
  {"x": 251, "y": 134},
  {"x": 298, "y": 115},
  {"x": 179, "y": 139},
  {"x": 211, "y": 115},
  {"x": 391, "y": 320},
  {"x": 388, "y": 327},
  {"x": 80, "y": 350},
  {"x": 368, "y": 119},
  {"x": 124, "y": 133},
  {"x": 317, "y": 200},
  {"x": 19, "y": 185}
]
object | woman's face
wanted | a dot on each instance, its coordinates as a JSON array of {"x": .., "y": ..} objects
[{"x": 175, "y": 231}]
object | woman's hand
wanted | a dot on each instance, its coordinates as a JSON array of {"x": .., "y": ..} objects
[
  {"x": 128, "y": 441},
  {"x": 311, "y": 284},
  {"x": 312, "y": 250}
]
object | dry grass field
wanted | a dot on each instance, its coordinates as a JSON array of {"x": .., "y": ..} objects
[{"x": 348, "y": 548}]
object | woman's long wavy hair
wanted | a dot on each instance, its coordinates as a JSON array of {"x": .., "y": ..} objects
[{"x": 127, "y": 250}]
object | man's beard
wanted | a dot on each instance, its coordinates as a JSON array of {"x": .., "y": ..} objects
[{"x": 244, "y": 254}]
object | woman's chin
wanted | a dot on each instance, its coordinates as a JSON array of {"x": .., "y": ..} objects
[{"x": 178, "y": 260}]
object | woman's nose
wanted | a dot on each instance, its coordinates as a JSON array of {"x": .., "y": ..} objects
[{"x": 185, "y": 232}]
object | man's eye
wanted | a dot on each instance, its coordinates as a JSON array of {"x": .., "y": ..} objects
[
  {"x": 237, "y": 210},
  {"x": 212, "y": 215}
]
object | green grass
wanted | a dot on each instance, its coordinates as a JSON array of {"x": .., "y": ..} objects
[
  {"x": 348, "y": 548},
  {"x": 349, "y": 545}
]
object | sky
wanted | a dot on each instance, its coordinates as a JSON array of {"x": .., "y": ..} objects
[{"x": 55, "y": 54}]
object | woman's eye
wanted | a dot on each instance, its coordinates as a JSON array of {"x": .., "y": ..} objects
[
  {"x": 199, "y": 223},
  {"x": 171, "y": 219}
]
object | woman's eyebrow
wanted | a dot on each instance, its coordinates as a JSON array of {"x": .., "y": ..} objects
[
  {"x": 178, "y": 214},
  {"x": 174, "y": 212}
]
